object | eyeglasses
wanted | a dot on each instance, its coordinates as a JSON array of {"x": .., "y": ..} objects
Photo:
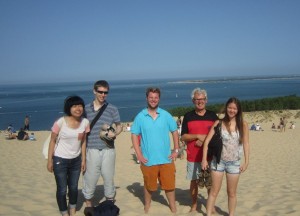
[
  {"x": 102, "y": 92},
  {"x": 199, "y": 99}
]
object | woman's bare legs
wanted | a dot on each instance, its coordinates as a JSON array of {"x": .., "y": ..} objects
[
  {"x": 217, "y": 178},
  {"x": 232, "y": 182}
]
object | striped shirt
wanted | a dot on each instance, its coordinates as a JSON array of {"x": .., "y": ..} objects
[{"x": 109, "y": 116}]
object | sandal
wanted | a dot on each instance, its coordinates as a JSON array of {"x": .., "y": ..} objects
[
  {"x": 207, "y": 179},
  {"x": 201, "y": 180}
]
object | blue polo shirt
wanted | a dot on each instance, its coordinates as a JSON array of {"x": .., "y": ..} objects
[{"x": 155, "y": 135}]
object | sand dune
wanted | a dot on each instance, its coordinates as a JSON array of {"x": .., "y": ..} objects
[{"x": 270, "y": 186}]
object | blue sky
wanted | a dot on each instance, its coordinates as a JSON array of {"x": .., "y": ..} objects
[{"x": 72, "y": 40}]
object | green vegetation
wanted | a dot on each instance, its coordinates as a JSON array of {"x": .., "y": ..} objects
[{"x": 291, "y": 102}]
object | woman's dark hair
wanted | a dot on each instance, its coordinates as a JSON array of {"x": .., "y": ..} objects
[
  {"x": 70, "y": 101},
  {"x": 239, "y": 116}
]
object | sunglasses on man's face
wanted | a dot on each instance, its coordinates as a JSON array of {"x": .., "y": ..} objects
[{"x": 102, "y": 92}]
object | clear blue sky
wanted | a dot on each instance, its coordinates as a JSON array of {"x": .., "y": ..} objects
[{"x": 75, "y": 40}]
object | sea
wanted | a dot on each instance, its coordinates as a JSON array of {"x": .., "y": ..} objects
[{"x": 43, "y": 102}]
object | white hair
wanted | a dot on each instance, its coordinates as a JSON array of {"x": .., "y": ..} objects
[{"x": 198, "y": 91}]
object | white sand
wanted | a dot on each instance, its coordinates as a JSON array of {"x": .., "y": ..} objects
[{"x": 270, "y": 186}]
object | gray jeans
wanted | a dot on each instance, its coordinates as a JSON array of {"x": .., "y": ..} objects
[{"x": 99, "y": 163}]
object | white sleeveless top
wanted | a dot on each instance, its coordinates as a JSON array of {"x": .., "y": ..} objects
[{"x": 231, "y": 146}]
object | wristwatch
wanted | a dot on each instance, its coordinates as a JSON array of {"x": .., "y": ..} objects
[{"x": 176, "y": 150}]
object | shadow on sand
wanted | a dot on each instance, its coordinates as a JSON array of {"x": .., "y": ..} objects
[{"x": 182, "y": 197}]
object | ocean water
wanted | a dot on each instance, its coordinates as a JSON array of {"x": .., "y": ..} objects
[{"x": 44, "y": 102}]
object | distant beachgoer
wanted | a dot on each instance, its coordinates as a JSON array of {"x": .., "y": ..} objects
[
  {"x": 253, "y": 127},
  {"x": 22, "y": 135},
  {"x": 10, "y": 133},
  {"x": 281, "y": 124},
  {"x": 11, "y": 136},
  {"x": 273, "y": 127},
  {"x": 195, "y": 127},
  {"x": 32, "y": 137},
  {"x": 181, "y": 143},
  {"x": 284, "y": 123},
  {"x": 292, "y": 126},
  {"x": 258, "y": 127},
  {"x": 235, "y": 136},
  {"x": 179, "y": 124},
  {"x": 182, "y": 146},
  {"x": 67, "y": 157},
  {"x": 26, "y": 123},
  {"x": 10, "y": 129},
  {"x": 154, "y": 125},
  {"x": 128, "y": 127}
]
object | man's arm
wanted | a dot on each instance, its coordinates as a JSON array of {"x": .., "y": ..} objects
[
  {"x": 175, "y": 139},
  {"x": 174, "y": 153},
  {"x": 118, "y": 128},
  {"x": 137, "y": 149},
  {"x": 191, "y": 137}
]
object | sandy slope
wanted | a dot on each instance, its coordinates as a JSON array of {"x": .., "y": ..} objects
[{"x": 270, "y": 186}]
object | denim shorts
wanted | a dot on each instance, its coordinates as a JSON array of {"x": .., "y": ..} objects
[
  {"x": 193, "y": 169},
  {"x": 231, "y": 167}
]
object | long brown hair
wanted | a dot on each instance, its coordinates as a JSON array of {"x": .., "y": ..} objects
[{"x": 238, "y": 118}]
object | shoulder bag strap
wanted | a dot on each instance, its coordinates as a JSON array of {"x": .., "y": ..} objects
[
  {"x": 220, "y": 127},
  {"x": 98, "y": 116}
]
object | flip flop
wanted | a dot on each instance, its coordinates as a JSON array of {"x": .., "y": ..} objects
[{"x": 201, "y": 180}]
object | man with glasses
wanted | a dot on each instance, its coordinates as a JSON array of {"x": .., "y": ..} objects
[
  {"x": 154, "y": 125},
  {"x": 100, "y": 158},
  {"x": 195, "y": 126}
]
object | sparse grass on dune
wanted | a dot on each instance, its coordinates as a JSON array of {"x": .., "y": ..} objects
[{"x": 270, "y": 115}]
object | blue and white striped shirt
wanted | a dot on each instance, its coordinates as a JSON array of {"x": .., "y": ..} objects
[{"x": 109, "y": 116}]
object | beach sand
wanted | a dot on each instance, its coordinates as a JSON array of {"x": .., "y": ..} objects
[{"x": 270, "y": 186}]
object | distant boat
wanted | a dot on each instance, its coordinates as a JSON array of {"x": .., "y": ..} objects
[{"x": 176, "y": 95}]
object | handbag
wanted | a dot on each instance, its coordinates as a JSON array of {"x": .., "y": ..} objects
[
  {"x": 105, "y": 208},
  {"x": 215, "y": 145}
]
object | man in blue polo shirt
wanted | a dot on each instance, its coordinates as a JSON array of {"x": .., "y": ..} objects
[{"x": 154, "y": 124}]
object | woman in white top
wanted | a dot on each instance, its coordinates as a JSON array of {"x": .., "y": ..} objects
[
  {"x": 235, "y": 137},
  {"x": 67, "y": 151}
]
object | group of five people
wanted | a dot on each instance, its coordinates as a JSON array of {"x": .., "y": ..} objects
[{"x": 75, "y": 147}]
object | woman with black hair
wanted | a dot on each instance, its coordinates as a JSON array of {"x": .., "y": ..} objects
[{"x": 67, "y": 152}]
